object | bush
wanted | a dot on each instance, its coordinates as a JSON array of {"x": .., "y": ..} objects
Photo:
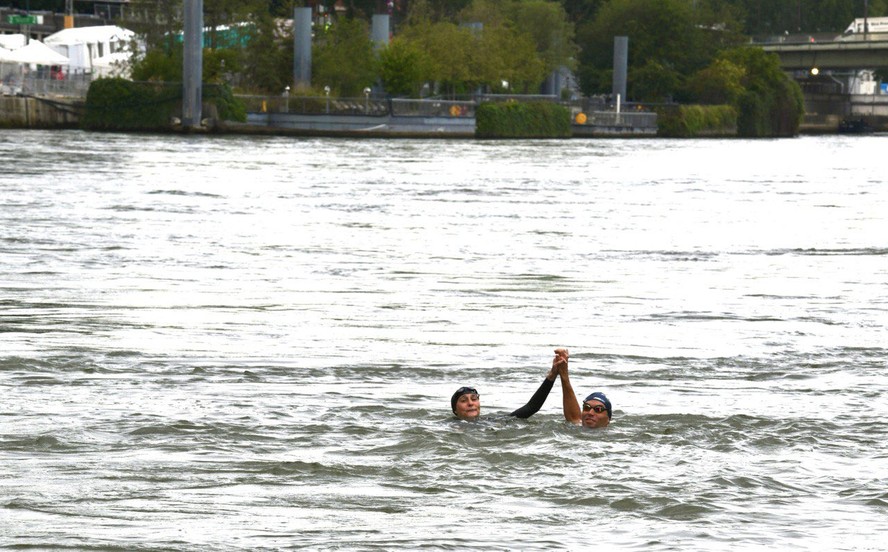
[
  {"x": 120, "y": 104},
  {"x": 522, "y": 120},
  {"x": 689, "y": 121}
]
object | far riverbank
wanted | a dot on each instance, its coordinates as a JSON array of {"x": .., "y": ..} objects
[{"x": 38, "y": 112}]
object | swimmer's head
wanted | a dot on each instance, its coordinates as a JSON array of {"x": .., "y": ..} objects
[
  {"x": 466, "y": 403},
  {"x": 594, "y": 408}
]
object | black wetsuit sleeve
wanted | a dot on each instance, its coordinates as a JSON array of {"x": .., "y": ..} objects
[{"x": 536, "y": 402}]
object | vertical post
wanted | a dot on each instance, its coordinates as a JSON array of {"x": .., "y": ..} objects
[
  {"x": 302, "y": 46},
  {"x": 192, "y": 65},
  {"x": 379, "y": 35},
  {"x": 865, "y": 19},
  {"x": 621, "y": 65},
  {"x": 69, "y": 14},
  {"x": 379, "y": 31}
]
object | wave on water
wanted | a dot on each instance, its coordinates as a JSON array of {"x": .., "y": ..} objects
[{"x": 184, "y": 193}]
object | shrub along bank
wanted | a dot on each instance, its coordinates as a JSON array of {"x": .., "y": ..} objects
[
  {"x": 688, "y": 121},
  {"x": 522, "y": 120},
  {"x": 124, "y": 105}
]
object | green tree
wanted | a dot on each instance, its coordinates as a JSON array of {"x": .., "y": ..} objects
[
  {"x": 719, "y": 83},
  {"x": 267, "y": 57},
  {"x": 343, "y": 58},
  {"x": 403, "y": 67},
  {"x": 449, "y": 50},
  {"x": 550, "y": 28},
  {"x": 156, "y": 22},
  {"x": 669, "y": 34},
  {"x": 503, "y": 54},
  {"x": 771, "y": 103}
]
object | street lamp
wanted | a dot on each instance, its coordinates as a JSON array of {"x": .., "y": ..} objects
[
  {"x": 327, "y": 93},
  {"x": 367, "y": 99},
  {"x": 287, "y": 98}
]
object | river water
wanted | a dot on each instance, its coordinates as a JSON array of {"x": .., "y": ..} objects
[{"x": 250, "y": 343}]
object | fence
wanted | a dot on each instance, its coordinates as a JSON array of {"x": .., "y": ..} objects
[
  {"x": 14, "y": 81},
  {"x": 320, "y": 105},
  {"x": 637, "y": 120},
  {"x": 71, "y": 86}
]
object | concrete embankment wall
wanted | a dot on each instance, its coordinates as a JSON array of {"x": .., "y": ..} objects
[
  {"x": 356, "y": 125},
  {"x": 30, "y": 112}
]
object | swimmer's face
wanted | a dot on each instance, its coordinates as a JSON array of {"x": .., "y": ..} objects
[
  {"x": 468, "y": 406},
  {"x": 594, "y": 414}
]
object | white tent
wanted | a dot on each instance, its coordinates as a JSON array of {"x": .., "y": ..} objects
[
  {"x": 83, "y": 45},
  {"x": 12, "y": 41},
  {"x": 36, "y": 53}
]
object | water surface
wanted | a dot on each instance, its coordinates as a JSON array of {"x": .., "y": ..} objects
[{"x": 247, "y": 343}]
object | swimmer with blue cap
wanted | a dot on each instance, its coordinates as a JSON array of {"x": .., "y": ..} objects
[{"x": 596, "y": 411}]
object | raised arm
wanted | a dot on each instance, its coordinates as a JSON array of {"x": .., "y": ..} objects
[
  {"x": 539, "y": 398},
  {"x": 568, "y": 397}
]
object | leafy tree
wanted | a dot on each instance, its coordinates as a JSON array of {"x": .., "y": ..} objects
[
  {"x": 771, "y": 103},
  {"x": 403, "y": 67},
  {"x": 268, "y": 56},
  {"x": 667, "y": 34},
  {"x": 448, "y": 47},
  {"x": 719, "y": 83},
  {"x": 552, "y": 32},
  {"x": 157, "y": 22},
  {"x": 582, "y": 10},
  {"x": 160, "y": 65},
  {"x": 653, "y": 82},
  {"x": 503, "y": 54},
  {"x": 343, "y": 58}
]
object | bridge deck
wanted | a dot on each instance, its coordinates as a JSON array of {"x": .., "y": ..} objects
[{"x": 838, "y": 54}]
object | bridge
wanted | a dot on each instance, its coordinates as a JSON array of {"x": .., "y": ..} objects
[{"x": 832, "y": 55}]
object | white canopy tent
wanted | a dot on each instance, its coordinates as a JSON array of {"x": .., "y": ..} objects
[
  {"x": 36, "y": 53},
  {"x": 15, "y": 64},
  {"x": 83, "y": 45},
  {"x": 12, "y": 41}
]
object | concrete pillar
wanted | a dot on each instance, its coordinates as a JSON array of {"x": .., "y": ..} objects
[
  {"x": 554, "y": 83},
  {"x": 302, "y": 46},
  {"x": 379, "y": 31},
  {"x": 621, "y": 65},
  {"x": 192, "y": 64}
]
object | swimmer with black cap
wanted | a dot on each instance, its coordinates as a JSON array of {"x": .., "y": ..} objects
[
  {"x": 597, "y": 410},
  {"x": 466, "y": 402}
]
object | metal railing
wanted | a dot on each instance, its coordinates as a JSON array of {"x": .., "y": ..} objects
[
  {"x": 433, "y": 108},
  {"x": 71, "y": 86},
  {"x": 639, "y": 120},
  {"x": 320, "y": 105}
]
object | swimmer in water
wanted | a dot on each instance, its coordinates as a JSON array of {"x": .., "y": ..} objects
[
  {"x": 466, "y": 402},
  {"x": 597, "y": 410}
]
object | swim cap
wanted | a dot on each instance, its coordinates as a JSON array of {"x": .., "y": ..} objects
[
  {"x": 459, "y": 393},
  {"x": 599, "y": 396}
]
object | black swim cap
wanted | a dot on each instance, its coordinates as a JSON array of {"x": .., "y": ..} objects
[{"x": 459, "y": 393}]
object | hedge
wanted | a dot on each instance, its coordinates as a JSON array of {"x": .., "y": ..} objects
[
  {"x": 121, "y": 104},
  {"x": 522, "y": 120},
  {"x": 689, "y": 121}
]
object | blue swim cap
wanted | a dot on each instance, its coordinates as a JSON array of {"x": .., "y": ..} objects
[
  {"x": 599, "y": 396},
  {"x": 459, "y": 393}
]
